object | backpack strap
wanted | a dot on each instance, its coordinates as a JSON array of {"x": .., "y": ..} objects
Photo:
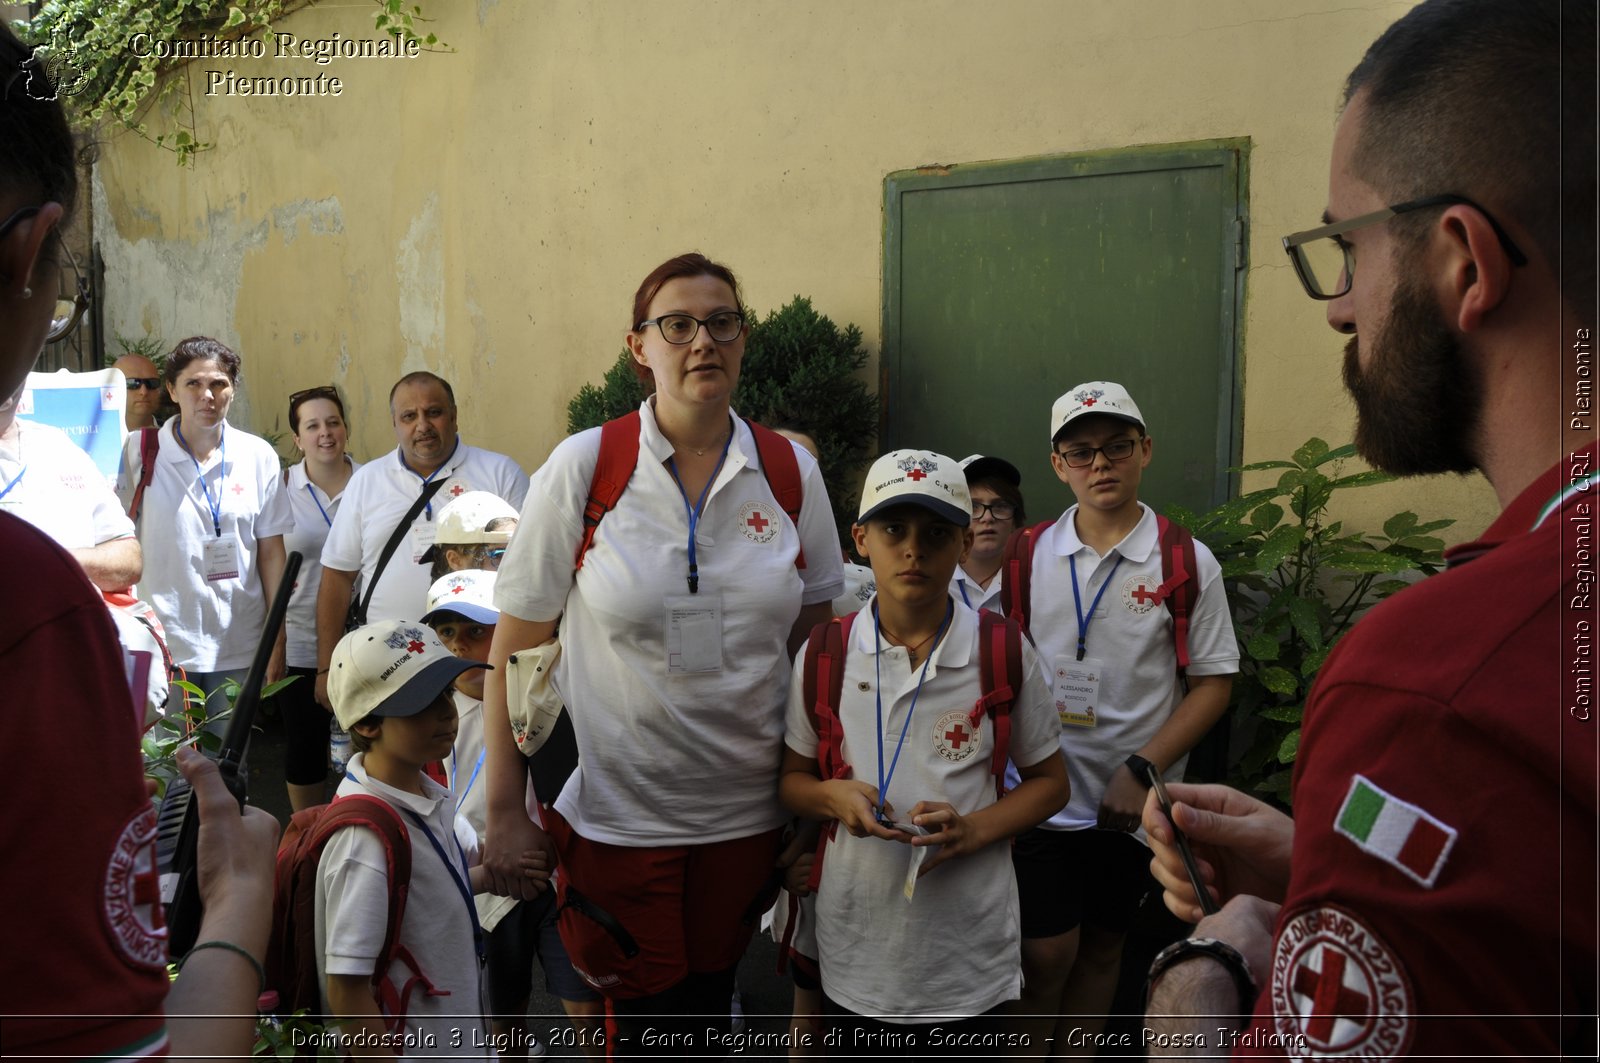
[
  {"x": 149, "y": 447},
  {"x": 1179, "y": 582},
  {"x": 399, "y": 533},
  {"x": 619, "y": 453},
  {"x": 1000, "y": 675},
  {"x": 1016, "y": 588},
  {"x": 782, "y": 471},
  {"x": 823, "y": 685}
]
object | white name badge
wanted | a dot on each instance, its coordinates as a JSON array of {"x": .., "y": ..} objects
[
  {"x": 220, "y": 558},
  {"x": 423, "y": 533},
  {"x": 694, "y": 633},
  {"x": 919, "y": 853},
  {"x": 1076, "y": 689}
]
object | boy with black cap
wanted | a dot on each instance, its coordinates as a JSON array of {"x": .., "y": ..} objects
[
  {"x": 390, "y": 687},
  {"x": 1096, "y": 616},
  {"x": 916, "y": 907},
  {"x": 996, "y": 489}
]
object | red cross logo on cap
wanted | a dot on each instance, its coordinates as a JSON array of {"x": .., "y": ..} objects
[
  {"x": 758, "y": 522},
  {"x": 455, "y": 490},
  {"x": 957, "y": 736},
  {"x": 415, "y": 646},
  {"x": 1089, "y": 402},
  {"x": 916, "y": 474},
  {"x": 1331, "y": 999},
  {"x": 458, "y": 588}
]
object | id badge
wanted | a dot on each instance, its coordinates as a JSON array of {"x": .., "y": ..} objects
[
  {"x": 220, "y": 558},
  {"x": 919, "y": 853},
  {"x": 694, "y": 633},
  {"x": 1076, "y": 690},
  {"x": 423, "y": 533}
]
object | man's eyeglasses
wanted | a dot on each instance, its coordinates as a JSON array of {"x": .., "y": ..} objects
[
  {"x": 1326, "y": 264},
  {"x": 69, "y": 309},
  {"x": 148, "y": 383},
  {"x": 683, "y": 328},
  {"x": 997, "y": 510},
  {"x": 1082, "y": 457}
]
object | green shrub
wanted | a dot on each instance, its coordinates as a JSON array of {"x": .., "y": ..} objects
[
  {"x": 1296, "y": 584},
  {"x": 799, "y": 368}
]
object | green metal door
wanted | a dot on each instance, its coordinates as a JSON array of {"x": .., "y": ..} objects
[{"x": 1007, "y": 283}]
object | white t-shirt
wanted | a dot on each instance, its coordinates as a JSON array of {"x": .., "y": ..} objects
[
  {"x": 50, "y": 482},
  {"x": 1131, "y": 637},
  {"x": 976, "y": 596},
  {"x": 468, "y": 772},
  {"x": 375, "y": 499},
  {"x": 352, "y": 911},
  {"x": 670, "y": 759},
  {"x": 313, "y": 514},
  {"x": 211, "y": 625},
  {"x": 954, "y": 948}
]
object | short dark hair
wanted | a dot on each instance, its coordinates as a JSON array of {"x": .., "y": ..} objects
[
  {"x": 419, "y": 377},
  {"x": 40, "y": 160},
  {"x": 198, "y": 349},
  {"x": 360, "y": 742},
  {"x": 1480, "y": 98},
  {"x": 690, "y": 264}
]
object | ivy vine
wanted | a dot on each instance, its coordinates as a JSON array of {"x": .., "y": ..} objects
[{"x": 107, "y": 70}]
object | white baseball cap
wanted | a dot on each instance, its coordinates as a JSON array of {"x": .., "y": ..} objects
[
  {"x": 391, "y": 668},
  {"x": 917, "y": 477},
  {"x": 468, "y": 592},
  {"x": 1097, "y": 396},
  {"x": 465, "y": 518}
]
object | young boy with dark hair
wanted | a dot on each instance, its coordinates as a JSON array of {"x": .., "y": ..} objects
[
  {"x": 390, "y": 687},
  {"x": 916, "y": 912},
  {"x": 1108, "y": 640}
]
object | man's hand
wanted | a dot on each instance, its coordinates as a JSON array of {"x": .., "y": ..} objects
[
  {"x": 1242, "y": 846},
  {"x": 1123, "y": 801}
]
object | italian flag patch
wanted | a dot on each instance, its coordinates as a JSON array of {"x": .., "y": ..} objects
[{"x": 1395, "y": 832}]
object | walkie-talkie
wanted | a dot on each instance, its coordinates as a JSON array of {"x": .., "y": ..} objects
[{"x": 178, "y": 824}]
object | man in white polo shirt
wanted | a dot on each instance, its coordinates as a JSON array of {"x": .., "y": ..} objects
[{"x": 380, "y": 493}]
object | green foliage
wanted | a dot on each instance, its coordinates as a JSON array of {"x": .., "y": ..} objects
[
  {"x": 151, "y": 347},
  {"x": 1296, "y": 584},
  {"x": 105, "y": 78},
  {"x": 291, "y": 1036},
  {"x": 161, "y": 742},
  {"x": 799, "y": 368}
]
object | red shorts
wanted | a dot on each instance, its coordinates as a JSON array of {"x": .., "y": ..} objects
[{"x": 679, "y": 909}]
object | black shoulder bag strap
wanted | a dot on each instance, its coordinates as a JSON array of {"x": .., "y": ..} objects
[{"x": 358, "y": 611}]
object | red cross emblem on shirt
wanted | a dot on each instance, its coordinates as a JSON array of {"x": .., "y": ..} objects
[
  {"x": 415, "y": 646},
  {"x": 1331, "y": 999},
  {"x": 1144, "y": 597},
  {"x": 916, "y": 474},
  {"x": 147, "y": 891},
  {"x": 957, "y": 736},
  {"x": 758, "y": 522},
  {"x": 238, "y": 489},
  {"x": 455, "y": 490}
]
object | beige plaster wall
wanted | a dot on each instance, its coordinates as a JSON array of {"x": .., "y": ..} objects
[{"x": 487, "y": 213}]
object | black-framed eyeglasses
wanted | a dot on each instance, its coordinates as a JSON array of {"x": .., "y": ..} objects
[
  {"x": 1082, "y": 457},
  {"x": 723, "y": 326},
  {"x": 997, "y": 510},
  {"x": 1326, "y": 264},
  {"x": 148, "y": 383},
  {"x": 69, "y": 309}
]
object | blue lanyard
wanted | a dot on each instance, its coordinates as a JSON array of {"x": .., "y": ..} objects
[
  {"x": 699, "y": 507},
  {"x": 428, "y": 507},
  {"x": 961, "y": 585},
  {"x": 474, "y": 778},
  {"x": 312, "y": 491},
  {"x": 877, "y": 672},
  {"x": 222, "y": 469},
  {"x": 1077, "y": 600},
  {"x": 459, "y": 880},
  {"x": 15, "y": 480}
]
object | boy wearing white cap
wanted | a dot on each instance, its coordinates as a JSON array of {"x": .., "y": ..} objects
[
  {"x": 916, "y": 913},
  {"x": 1097, "y": 615},
  {"x": 390, "y": 687},
  {"x": 474, "y": 528}
]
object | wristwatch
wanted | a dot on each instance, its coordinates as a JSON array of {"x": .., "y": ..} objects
[
  {"x": 1231, "y": 958},
  {"x": 1141, "y": 769}
]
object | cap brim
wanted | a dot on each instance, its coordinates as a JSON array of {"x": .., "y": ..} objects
[
  {"x": 983, "y": 468},
  {"x": 1056, "y": 435},
  {"x": 953, "y": 514},
  {"x": 478, "y": 614},
  {"x": 424, "y": 688}
]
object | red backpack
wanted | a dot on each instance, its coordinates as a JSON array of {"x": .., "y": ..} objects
[
  {"x": 292, "y": 950},
  {"x": 1180, "y": 583}
]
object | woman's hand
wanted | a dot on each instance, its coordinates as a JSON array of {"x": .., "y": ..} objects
[{"x": 511, "y": 851}]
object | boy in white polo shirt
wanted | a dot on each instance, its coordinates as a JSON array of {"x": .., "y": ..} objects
[
  {"x": 914, "y": 930},
  {"x": 1121, "y": 704},
  {"x": 390, "y": 686}
]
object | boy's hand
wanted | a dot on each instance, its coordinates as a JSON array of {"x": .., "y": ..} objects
[
  {"x": 798, "y": 854},
  {"x": 503, "y": 856},
  {"x": 946, "y": 828},
  {"x": 855, "y": 805},
  {"x": 1123, "y": 802}
]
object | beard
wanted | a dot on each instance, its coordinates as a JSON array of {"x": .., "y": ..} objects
[{"x": 1418, "y": 401}]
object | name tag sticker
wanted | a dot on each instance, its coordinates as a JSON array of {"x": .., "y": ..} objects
[
  {"x": 422, "y": 536},
  {"x": 694, "y": 633},
  {"x": 1075, "y": 687},
  {"x": 220, "y": 558}
]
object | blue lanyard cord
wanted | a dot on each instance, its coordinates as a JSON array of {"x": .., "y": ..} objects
[
  {"x": 15, "y": 480},
  {"x": 474, "y": 778},
  {"x": 961, "y": 585},
  {"x": 698, "y": 508},
  {"x": 877, "y": 672},
  {"x": 222, "y": 471},
  {"x": 312, "y": 491},
  {"x": 428, "y": 507},
  {"x": 1077, "y": 600},
  {"x": 460, "y": 880}
]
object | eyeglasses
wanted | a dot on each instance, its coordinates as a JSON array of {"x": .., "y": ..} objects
[
  {"x": 69, "y": 310},
  {"x": 496, "y": 555},
  {"x": 148, "y": 383},
  {"x": 326, "y": 391},
  {"x": 1081, "y": 457},
  {"x": 683, "y": 328},
  {"x": 1326, "y": 264},
  {"x": 997, "y": 510}
]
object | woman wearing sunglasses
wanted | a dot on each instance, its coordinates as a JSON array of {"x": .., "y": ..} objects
[{"x": 315, "y": 487}]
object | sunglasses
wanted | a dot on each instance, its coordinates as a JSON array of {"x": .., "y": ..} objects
[
  {"x": 146, "y": 383},
  {"x": 326, "y": 391}
]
